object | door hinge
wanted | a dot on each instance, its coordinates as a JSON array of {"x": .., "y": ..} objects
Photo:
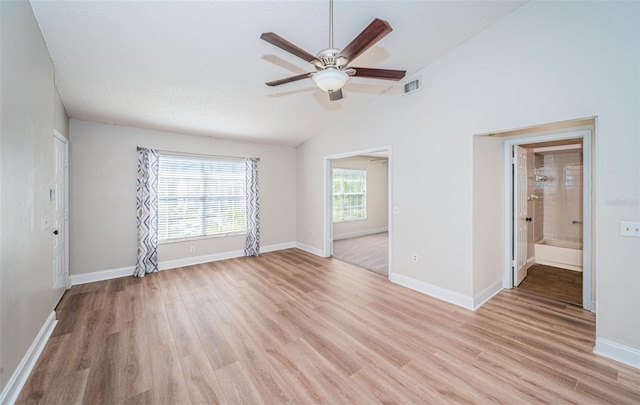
[
  {"x": 66, "y": 163},
  {"x": 513, "y": 160},
  {"x": 514, "y": 263}
]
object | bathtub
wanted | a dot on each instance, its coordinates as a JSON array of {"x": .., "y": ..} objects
[{"x": 566, "y": 255}]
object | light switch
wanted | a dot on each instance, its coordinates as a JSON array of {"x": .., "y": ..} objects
[
  {"x": 44, "y": 222},
  {"x": 628, "y": 228},
  {"x": 396, "y": 209}
]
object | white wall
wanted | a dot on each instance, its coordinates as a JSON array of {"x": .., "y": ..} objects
[
  {"x": 377, "y": 197},
  {"x": 546, "y": 62},
  {"x": 488, "y": 155},
  {"x": 26, "y": 172},
  {"x": 103, "y": 165},
  {"x": 60, "y": 116}
]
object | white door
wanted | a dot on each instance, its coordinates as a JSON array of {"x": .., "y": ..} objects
[
  {"x": 58, "y": 196},
  {"x": 521, "y": 218}
]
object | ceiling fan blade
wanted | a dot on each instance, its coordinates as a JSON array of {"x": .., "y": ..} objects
[
  {"x": 335, "y": 95},
  {"x": 387, "y": 74},
  {"x": 282, "y": 43},
  {"x": 289, "y": 79},
  {"x": 366, "y": 39}
]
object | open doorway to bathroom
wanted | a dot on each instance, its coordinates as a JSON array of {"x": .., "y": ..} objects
[
  {"x": 358, "y": 214},
  {"x": 550, "y": 190},
  {"x": 550, "y": 214}
]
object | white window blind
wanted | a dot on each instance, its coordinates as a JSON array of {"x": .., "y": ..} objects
[
  {"x": 349, "y": 194},
  {"x": 200, "y": 196}
]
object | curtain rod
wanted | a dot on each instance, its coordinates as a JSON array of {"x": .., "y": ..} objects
[{"x": 194, "y": 154}]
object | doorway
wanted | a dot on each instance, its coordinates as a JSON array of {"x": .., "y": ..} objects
[
  {"x": 548, "y": 192},
  {"x": 60, "y": 198},
  {"x": 357, "y": 201}
]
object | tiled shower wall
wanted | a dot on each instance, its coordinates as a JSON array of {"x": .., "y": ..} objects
[
  {"x": 559, "y": 183},
  {"x": 538, "y": 205}
]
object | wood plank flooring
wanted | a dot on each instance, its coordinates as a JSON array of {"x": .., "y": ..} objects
[
  {"x": 553, "y": 282},
  {"x": 292, "y": 328}
]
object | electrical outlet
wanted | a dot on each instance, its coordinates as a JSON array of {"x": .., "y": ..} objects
[
  {"x": 192, "y": 249},
  {"x": 310, "y": 232},
  {"x": 415, "y": 258},
  {"x": 628, "y": 228}
]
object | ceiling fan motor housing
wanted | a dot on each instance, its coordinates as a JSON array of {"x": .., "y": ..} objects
[{"x": 330, "y": 58}]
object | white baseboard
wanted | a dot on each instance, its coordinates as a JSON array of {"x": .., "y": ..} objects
[
  {"x": 485, "y": 295},
  {"x": 11, "y": 391},
  {"x": 360, "y": 233},
  {"x": 190, "y": 261},
  {"x": 620, "y": 353},
  {"x": 440, "y": 293},
  {"x": 85, "y": 278},
  {"x": 280, "y": 246},
  {"x": 310, "y": 249}
]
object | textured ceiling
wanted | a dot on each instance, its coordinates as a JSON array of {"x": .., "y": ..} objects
[{"x": 200, "y": 67}]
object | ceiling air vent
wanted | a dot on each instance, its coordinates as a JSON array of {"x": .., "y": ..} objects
[{"x": 411, "y": 87}]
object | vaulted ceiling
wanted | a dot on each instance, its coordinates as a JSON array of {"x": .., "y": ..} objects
[{"x": 200, "y": 67}]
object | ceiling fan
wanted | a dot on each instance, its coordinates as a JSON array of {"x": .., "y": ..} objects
[{"x": 332, "y": 70}]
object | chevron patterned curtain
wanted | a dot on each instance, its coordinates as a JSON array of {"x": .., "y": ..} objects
[
  {"x": 147, "y": 212},
  {"x": 252, "y": 246}
]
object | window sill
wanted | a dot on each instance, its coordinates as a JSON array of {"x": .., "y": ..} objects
[
  {"x": 349, "y": 220},
  {"x": 220, "y": 235}
]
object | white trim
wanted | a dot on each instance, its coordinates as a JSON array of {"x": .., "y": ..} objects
[
  {"x": 440, "y": 293},
  {"x": 65, "y": 141},
  {"x": 61, "y": 137},
  {"x": 85, "y": 278},
  {"x": 310, "y": 249},
  {"x": 588, "y": 227},
  {"x": 279, "y": 246},
  {"x": 360, "y": 233},
  {"x": 586, "y": 133},
  {"x": 328, "y": 195},
  {"x": 485, "y": 295},
  {"x": 327, "y": 209},
  {"x": 390, "y": 213},
  {"x": 620, "y": 353},
  {"x": 190, "y": 261},
  {"x": 11, "y": 391}
]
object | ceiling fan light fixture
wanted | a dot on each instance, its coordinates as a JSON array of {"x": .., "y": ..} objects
[{"x": 330, "y": 79}]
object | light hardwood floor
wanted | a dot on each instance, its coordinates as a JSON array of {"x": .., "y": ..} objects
[{"x": 292, "y": 328}]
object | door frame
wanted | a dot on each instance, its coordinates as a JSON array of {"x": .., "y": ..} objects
[
  {"x": 65, "y": 142},
  {"x": 518, "y": 244},
  {"x": 588, "y": 217},
  {"x": 328, "y": 197}
]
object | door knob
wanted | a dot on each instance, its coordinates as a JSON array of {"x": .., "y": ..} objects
[
  {"x": 55, "y": 232},
  {"x": 528, "y": 219}
]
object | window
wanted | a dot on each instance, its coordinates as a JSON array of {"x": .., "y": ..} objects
[
  {"x": 349, "y": 194},
  {"x": 200, "y": 196}
]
